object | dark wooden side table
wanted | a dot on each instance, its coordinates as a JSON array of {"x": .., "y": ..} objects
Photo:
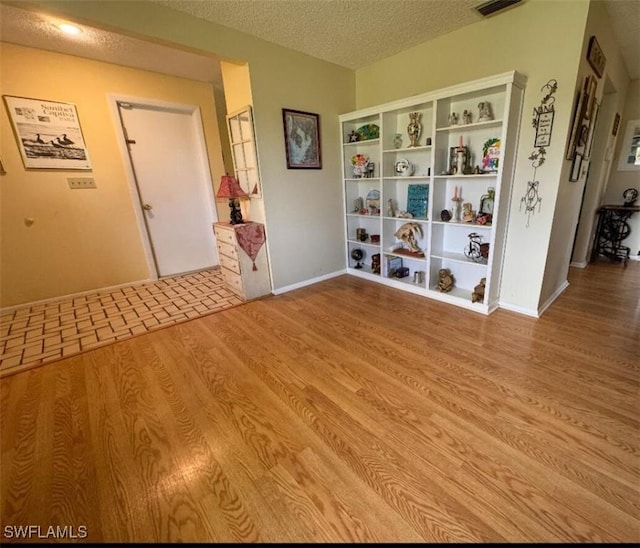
[{"x": 612, "y": 229}]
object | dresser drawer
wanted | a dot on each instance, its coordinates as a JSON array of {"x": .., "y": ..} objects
[
  {"x": 226, "y": 236},
  {"x": 227, "y": 250},
  {"x": 230, "y": 263},
  {"x": 234, "y": 281}
]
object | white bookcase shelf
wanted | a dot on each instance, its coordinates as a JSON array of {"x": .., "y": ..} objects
[{"x": 432, "y": 184}]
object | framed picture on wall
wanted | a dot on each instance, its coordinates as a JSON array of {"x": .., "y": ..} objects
[
  {"x": 596, "y": 57},
  {"x": 302, "y": 139},
  {"x": 48, "y": 133}
]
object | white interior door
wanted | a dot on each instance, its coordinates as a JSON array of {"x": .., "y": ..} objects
[{"x": 173, "y": 187}]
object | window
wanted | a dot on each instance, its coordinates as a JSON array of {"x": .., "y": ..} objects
[{"x": 243, "y": 150}]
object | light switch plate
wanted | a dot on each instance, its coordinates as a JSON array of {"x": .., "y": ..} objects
[{"x": 81, "y": 182}]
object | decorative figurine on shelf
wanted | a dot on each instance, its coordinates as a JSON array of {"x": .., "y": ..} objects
[
  {"x": 457, "y": 207},
  {"x": 445, "y": 215},
  {"x": 452, "y": 119},
  {"x": 407, "y": 233},
  {"x": 353, "y": 137},
  {"x": 476, "y": 250},
  {"x": 361, "y": 234},
  {"x": 375, "y": 263},
  {"x": 397, "y": 140},
  {"x": 357, "y": 255},
  {"x": 484, "y": 112},
  {"x": 391, "y": 210},
  {"x": 405, "y": 215},
  {"x": 478, "y": 292},
  {"x": 358, "y": 205},
  {"x": 468, "y": 214},
  {"x": 428, "y": 143},
  {"x": 414, "y": 128},
  {"x": 476, "y": 170},
  {"x": 466, "y": 117},
  {"x": 359, "y": 163},
  {"x": 486, "y": 204},
  {"x": 369, "y": 170},
  {"x": 445, "y": 280}
]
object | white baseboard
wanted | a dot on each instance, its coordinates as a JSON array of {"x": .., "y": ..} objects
[
  {"x": 305, "y": 283},
  {"x": 579, "y": 265},
  {"x": 553, "y": 297},
  {"x": 634, "y": 257},
  {"x": 519, "y": 309},
  {"x": 74, "y": 295}
]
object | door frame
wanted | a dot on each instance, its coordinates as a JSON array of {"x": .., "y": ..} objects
[{"x": 201, "y": 151}]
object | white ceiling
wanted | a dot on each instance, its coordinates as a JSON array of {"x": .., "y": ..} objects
[{"x": 351, "y": 33}]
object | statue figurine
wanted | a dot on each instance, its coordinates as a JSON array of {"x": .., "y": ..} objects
[
  {"x": 445, "y": 280},
  {"x": 453, "y": 119},
  {"x": 466, "y": 117},
  {"x": 468, "y": 214},
  {"x": 484, "y": 112},
  {"x": 414, "y": 128},
  {"x": 478, "y": 291},
  {"x": 392, "y": 210}
]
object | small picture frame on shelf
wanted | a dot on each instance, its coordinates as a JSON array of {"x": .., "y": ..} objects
[{"x": 453, "y": 170}]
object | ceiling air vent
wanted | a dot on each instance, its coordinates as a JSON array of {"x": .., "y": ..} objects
[{"x": 494, "y": 6}]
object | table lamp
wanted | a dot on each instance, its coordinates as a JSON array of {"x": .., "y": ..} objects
[{"x": 230, "y": 188}]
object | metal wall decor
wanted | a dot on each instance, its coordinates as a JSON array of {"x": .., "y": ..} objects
[{"x": 543, "y": 124}]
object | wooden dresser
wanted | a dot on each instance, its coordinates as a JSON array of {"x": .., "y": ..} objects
[{"x": 246, "y": 277}]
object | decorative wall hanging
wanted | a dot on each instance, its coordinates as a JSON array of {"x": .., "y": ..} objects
[
  {"x": 543, "y": 124},
  {"x": 302, "y": 139},
  {"x": 596, "y": 58},
  {"x": 48, "y": 133}
]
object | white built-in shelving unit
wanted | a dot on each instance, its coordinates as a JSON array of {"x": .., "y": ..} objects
[{"x": 443, "y": 243}]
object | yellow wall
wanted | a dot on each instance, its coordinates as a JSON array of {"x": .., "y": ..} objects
[
  {"x": 302, "y": 208},
  {"x": 81, "y": 239}
]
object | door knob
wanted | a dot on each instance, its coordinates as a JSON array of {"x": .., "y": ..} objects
[{"x": 147, "y": 207}]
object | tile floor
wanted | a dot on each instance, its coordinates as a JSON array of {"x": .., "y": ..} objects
[{"x": 34, "y": 335}]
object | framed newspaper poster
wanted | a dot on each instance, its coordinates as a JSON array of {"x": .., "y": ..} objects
[{"x": 48, "y": 133}]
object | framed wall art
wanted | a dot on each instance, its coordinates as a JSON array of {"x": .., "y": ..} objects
[
  {"x": 48, "y": 133},
  {"x": 582, "y": 117},
  {"x": 616, "y": 124},
  {"x": 302, "y": 139},
  {"x": 596, "y": 58}
]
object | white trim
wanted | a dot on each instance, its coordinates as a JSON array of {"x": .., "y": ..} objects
[
  {"x": 634, "y": 257},
  {"x": 582, "y": 264},
  {"x": 553, "y": 297},
  {"x": 305, "y": 283},
  {"x": 519, "y": 309},
  {"x": 74, "y": 295},
  {"x": 201, "y": 151}
]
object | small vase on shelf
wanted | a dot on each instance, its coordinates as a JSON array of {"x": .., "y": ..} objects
[{"x": 397, "y": 140}]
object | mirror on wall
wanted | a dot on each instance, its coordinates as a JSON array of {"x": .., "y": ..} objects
[{"x": 243, "y": 150}]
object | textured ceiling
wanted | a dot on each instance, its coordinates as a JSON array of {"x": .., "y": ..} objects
[
  {"x": 351, "y": 33},
  {"x": 28, "y": 28}
]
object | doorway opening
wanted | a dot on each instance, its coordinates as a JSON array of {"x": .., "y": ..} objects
[{"x": 172, "y": 193}]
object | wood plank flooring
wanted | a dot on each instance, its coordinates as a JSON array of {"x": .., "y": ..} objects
[{"x": 342, "y": 412}]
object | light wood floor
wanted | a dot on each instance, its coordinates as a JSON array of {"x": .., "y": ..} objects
[{"x": 344, "y": 411}]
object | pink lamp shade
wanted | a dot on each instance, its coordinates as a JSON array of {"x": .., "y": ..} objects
[{"x": 230, "y": 188}]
